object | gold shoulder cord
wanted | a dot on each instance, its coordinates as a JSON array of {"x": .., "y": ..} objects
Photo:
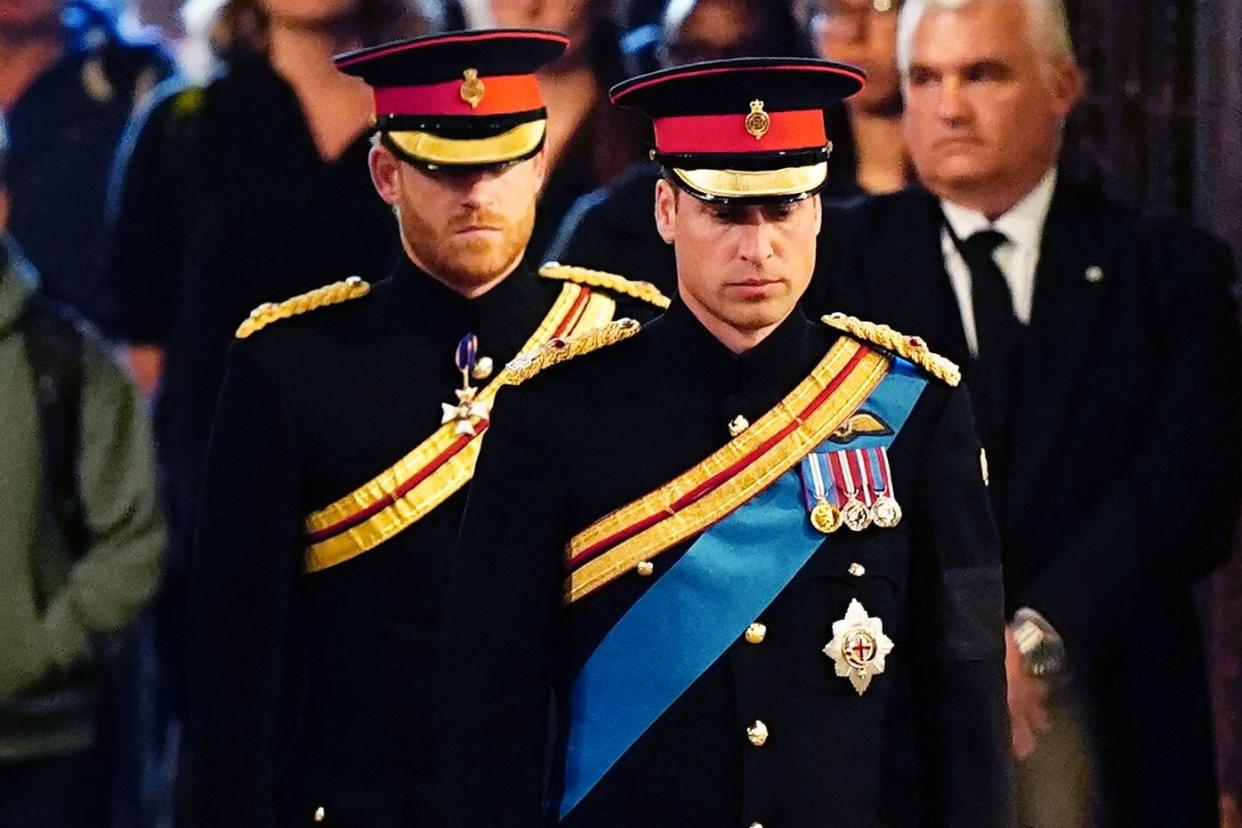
[
  {"x": 559, "y": 350},
  {"x": 911, "y": 348},
  {"x": 643, "y": 291},
  {"x": 333, "y": 294}
]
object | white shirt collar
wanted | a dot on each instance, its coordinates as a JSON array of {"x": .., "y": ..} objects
[{"x": 1022, "y": 224}]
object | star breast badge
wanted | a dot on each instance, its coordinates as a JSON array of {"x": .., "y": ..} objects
[{"x": 858, "y": 646}]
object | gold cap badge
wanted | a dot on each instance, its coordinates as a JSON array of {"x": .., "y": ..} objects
[
  {"x": 472, "y": 89},
  {"x": 758, "y": 122}
]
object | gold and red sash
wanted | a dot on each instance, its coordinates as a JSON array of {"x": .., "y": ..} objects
[
  {"x": 439, "y": 466},
  {"x": 632, "y": 536}
]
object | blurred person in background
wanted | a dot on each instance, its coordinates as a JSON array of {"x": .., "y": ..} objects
[
  {"x": 1102, "y": 351},
  {"x": 69, "y": 82},
  {"x": 871, "y": 151},
  {"x": 613, "y": 227},
  {"x": 80, "y": 542},
  {"x": 249, "y": 189},
  {"x": 589, "y": 141}
]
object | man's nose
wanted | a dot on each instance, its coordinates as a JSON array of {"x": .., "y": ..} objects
[
  {"x": 951, "y": 104},
  {"x": 755, "y": 245}
]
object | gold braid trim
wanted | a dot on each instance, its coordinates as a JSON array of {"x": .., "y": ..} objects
[
  {"x": 333, "y": 294},
  {"x": 526, "y": 366},
  {"x": 911, "y": 348},
  {"x": 643, "y": 291}
]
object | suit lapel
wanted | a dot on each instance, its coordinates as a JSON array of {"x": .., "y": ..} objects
[
  {"x": 923, "y": 299},
  {"x": 1076, "y": 248}
]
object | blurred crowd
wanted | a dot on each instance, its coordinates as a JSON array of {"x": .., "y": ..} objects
[{"x": 165, "y": 171}]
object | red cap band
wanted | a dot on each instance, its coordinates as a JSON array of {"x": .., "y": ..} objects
[
  {"x": 502, "y": 95},
  {"x": 799, "y": 129}
]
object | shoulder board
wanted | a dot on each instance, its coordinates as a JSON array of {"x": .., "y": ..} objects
[
  {"x": 644, "y": 291},
  {"x": 525, "y": 366},
  {"x": 910, "y": 348},
  {"x": 333, "y": 294}
]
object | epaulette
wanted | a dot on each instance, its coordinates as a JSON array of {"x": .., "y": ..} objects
[
  {"x": 643, "y": 291},
  {"x": 911, "y": 348},
  {"x": 525, "y": 366},
  {"x": 333, "y": 294}
]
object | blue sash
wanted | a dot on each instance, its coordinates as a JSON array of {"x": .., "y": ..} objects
[{"x": 697, "y": 610}]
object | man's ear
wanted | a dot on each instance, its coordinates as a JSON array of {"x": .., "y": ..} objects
[
  {"x": 385, "y": 173},
  {"x": 541, "y": 167},
  {"x": 1067, "y": 84},
  {"x": 666, "y": 210}
]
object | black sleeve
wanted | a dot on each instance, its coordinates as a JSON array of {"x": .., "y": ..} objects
[
  {"x": 1169, "y": 514},
  {"x": 498, "y": 654},
  {"x": 586, "y": 240},
  {"x": 244, "y": 568},
  {"x": 146, "y": 209},
  {"x": 958, "y": 620}
]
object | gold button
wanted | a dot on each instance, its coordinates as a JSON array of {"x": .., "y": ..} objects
[
  {"x": 757, "y": 733},
  {"x": 755, "y": 633},
  {"x": 857, "y": 570},
  {"x": 320, "y": 814},
  {"x": 645, "y": 568},
  {"x": 737, "y": 425}
]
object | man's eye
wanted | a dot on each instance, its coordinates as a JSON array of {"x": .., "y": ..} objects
[
  {"x": 986, "y": 72},
  {"x": 920, "y": 77}
]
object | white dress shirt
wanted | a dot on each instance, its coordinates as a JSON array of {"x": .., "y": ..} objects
[{"x": 1017, "y": 258}]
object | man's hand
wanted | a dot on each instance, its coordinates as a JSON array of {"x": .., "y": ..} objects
[
  {"x": 145, "y": 365},
  {"x": 1028, "y": 701}
]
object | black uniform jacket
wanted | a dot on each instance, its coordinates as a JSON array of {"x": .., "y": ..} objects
[
  {"x": 1121, "y": 479},
  {"x": 314, "y": 690},
  {"x": 926, "y": 744}
]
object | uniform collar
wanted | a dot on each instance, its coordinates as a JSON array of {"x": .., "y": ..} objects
[
  {"x": 501, "y": 318},
  {"x": 777, "y": 363}
]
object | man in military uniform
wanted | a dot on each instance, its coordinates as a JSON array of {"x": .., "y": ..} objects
[
  {"x": 744, "y": 561},
  {"x": 343, "y": 444}
]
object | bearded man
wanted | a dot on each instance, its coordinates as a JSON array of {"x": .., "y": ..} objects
[{"x": 344, "y": 442}]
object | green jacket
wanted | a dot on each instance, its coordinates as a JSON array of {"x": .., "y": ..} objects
[{"x": 49, "y": 659}]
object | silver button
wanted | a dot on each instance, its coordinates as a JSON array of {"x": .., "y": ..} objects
[
  {"x": 1094, "y": 274},
  {"x": 857, "y": 570}
]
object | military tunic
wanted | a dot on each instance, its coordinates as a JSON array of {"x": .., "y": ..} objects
[
  {"x": 313, "y": 691},
  {"x": 925, "y": 744}
]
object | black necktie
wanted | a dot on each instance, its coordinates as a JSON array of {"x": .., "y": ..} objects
[{"x": 998, "y": 332}]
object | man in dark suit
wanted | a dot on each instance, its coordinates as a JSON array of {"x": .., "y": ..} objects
[
  {"x": 1102, "y": 353},
  {"x": 689, "y": 541}
]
